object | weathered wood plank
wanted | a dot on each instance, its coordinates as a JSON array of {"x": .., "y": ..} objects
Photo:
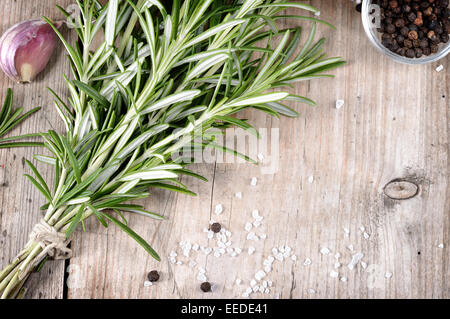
[{"x": 19, "y": 200}]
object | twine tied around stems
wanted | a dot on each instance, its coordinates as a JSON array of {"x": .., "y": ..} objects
[{"x": 53, "y": 243}]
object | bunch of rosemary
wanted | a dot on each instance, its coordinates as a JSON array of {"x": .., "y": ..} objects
[{"x": 163, "y": 76}]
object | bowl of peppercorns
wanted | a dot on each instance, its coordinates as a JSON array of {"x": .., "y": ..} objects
[{"x": 408, "y": 31}]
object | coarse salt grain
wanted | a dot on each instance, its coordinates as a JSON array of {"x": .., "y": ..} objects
[
  {"x": 251, "y": 250},
  {"x": 324, "y": 251},
  {"x": 439, "y": 68},
  {"x": 366, "y": 235},
  {"x": 441, "y": 245},
  {"x": 253, "y": 283},
  {"x": 261, "y": 157},
  {"x": 343, "y": 279},
  {"x": 388, "y": 275},
  {"x": 238, "y": 281},
  {"x": 337, "y": 255},
  {"x": 254, "y": 181},
  {"x": 255, "y": 214},
  {"x": 294, "y": 257},
  {"x": 307, "y": 262},
  {"x": 147, "y": 283},
  {"x": 363, "y": 264},
  {"x": 350, "y": 247},
  {"x": 219, "y": 209},
  {"x": 260, "y": 274},
  {"x": 317, "y": 14},
  {"x": 311, "y": 291},
  {"x": 310, "y": 179},
  {"x": 339, "y": 104},
  {"x": 263, "y": 236},
  {"x": 337, "y": 265},
  {"x": 248, "y": 226},
  {"x": 192, "y": 263},
  {"x": 238, "y": 195},
  {"x": 334, "y": 274}
]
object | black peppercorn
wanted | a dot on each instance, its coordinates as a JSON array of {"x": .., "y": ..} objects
[
  {"x": 390, "y": 28},
  {"x": 414, "y": 28},
  {"x": 153, "y": 276},
  {"x": 205, "y": 287},
  {"x": 413, "y": 35},
  {"x": 410, "y": 53},
  {"x": 216, "y": 227}
]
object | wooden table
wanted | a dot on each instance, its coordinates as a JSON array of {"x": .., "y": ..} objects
[{"x": 333, "y": 167}]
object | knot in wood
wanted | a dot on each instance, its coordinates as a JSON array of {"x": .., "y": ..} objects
[{"x": 401, "y": 189}]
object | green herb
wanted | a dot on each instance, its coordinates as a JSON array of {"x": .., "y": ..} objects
[
  {"x": 9, "y": 119},
  {"x": 164, "y": 75}
]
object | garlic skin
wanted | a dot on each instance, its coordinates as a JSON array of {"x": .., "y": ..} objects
[{"x": 26, "y": 48}]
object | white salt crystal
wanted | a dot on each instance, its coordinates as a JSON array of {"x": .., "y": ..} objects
[
  {"x": 274, "y": 250},
  {"x": 366, "y": 235},
  {"x": 195, "y": 247},
  {"x": 192, "y": 263},
  {"x": 238, "y": 195},
  {"x": 310, "y": 179},
  {"x": 263, "y": 236},
  {"x": 269, "y": 283},
  {"x": 350, "y": 247},
  {"x": 363, "y": 264},
  {"x": 311, "y": 291},
  {"x": 248, "y": 226},
  {"x": 253, "y": 283},
  {"x": 317, "y": 14},
  {"x": 238, "y": 281},
  {"x": 254, "y": 181},
  {"x": 337, "y": 255},
  {"x": 337, "y": 265},
  {"x": 249, "y": 290},
  {"x": 307, "y": 262},
  {"x": 439, "y": 68},
  {"x": 388, "y": 275},
  {"x": 294, "y": 257},
  {"x": 255, "y": 288},
  {"x": 343, "y": 279},
  {"x": 334, "y": 274},
  {"x": 441, "y": 245},
  {"x": 339, "y": 104},
  {"x": 279, "y": 257},
  {"x": 173, "y": 254},
  {"x": 201, "y": 277},
  {"x": 179, "y": 263},
  {"x": 255, "y": 213},
  {"x": 267, "y": 291},
  {"x": 147, "y": 283},
  {"x": 238, "y": 250},
  {"x": 261, "y": 157},
  {"x": 219, "y": 209},
  {"x": 260, "y": 274},
  {"x": 256, "y": 223},
  {"x": 324, "y": 251},
  {"x": 362, "y": 228},
  {"x": 245, "y": 295},
  {"x": 251, "y": 250},
  {"x": 267, "y": 268},
  {"x": 210, "y": 234}
]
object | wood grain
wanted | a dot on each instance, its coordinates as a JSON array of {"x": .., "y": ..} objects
[{"x": 333, "y": 167}]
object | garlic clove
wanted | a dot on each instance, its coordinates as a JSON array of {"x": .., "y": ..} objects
[{"x": 26, "y": 48}]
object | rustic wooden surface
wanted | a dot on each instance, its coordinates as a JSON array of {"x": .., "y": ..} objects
[{"x": 333, "y": 167}]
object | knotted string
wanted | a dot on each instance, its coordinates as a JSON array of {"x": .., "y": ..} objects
[{"x": 53, "y": 243}]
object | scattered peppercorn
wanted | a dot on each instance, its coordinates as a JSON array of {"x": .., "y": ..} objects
[
  {"x": 205, "y": 287},
  {"x": 413, "y": 28},
  {"x": 216, "y": 227},
  {"x": 153, "y": 276}
]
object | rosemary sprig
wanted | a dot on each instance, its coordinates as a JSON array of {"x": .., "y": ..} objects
[
  {"x": 9, "y": 119},
  {"x": 164, "y": 75}
]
